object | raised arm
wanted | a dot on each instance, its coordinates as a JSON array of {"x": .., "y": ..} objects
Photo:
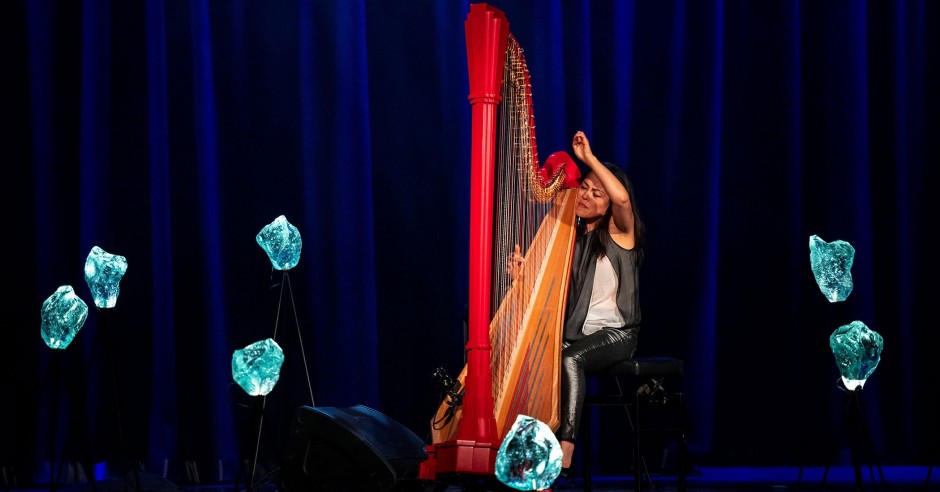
[{"x": 622, "y": 211}]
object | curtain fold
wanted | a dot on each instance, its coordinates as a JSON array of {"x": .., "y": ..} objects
[{"x": 164, "y": 415}]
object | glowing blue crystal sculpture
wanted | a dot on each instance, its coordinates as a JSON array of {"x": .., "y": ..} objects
[
  {"x": 281, "y": 241},
  {"x": 857, "y": 350},
  {"x": 63, "y": 314},
  {"x": 832, "y": 267},
  {"x": 257, "y": 367},
  {"x": 529, "y": 457},
  {"x": 103, "y": 272}
]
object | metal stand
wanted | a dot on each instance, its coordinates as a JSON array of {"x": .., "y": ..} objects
[
  {"x": 285, "y": 288},
  {"x": 860, "y": 441}
]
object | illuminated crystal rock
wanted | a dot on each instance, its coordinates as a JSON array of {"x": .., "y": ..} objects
[
  {"x": 103, "y": 272},
  {"x": 257, "y": 367},
  {"x": 832, "y": 267},
  {"x": 857, "y": 350},
  {"x": 530, "y": 456},
  {"x": 63, "y": 314},
  {"x": 281, "y": 241}
]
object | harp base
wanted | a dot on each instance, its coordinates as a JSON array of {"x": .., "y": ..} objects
[{"x": 465, "y": 456}]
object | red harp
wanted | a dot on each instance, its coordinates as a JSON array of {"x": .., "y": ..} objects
[{"x": 514, "y": 324}]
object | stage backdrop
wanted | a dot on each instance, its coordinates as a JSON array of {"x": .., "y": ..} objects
[{"x": 171, "y": 132}]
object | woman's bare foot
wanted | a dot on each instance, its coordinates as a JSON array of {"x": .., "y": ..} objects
[{"x": 567, "y": 452}]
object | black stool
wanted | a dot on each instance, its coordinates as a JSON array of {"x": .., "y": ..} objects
[{"x": 650, "y": 373}]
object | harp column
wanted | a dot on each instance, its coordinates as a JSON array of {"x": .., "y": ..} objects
[{"x": 475, "y": 448}]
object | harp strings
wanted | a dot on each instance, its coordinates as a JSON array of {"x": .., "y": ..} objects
[{"x": 521, "y": 205}]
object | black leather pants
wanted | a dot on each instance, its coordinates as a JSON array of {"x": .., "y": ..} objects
[{"x": 593, "y": 353}]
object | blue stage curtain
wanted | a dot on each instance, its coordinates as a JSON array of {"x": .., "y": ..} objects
[{"x": 172, "y": 132}]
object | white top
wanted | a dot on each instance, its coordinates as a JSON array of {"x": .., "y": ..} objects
[{"x": 603, "y": 311}]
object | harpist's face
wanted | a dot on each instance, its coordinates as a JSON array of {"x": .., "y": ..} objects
[{"x": 592, "y": 199}]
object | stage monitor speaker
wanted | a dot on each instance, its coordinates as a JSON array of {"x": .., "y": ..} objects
[{"x": 349, "y": 449}]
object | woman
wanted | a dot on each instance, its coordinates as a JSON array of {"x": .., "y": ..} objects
[{"x": 603, "y": 308}]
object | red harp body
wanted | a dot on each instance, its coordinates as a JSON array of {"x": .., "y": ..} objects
[{"x": 514, "y": 323}]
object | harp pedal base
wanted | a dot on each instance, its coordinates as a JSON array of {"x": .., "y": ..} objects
[{"x": 465, "y": 456}]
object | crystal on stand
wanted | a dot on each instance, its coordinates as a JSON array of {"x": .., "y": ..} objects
[
  {"x": 281, "y": 241},
  {"x": 103, "y": 273},
  {"x": 857, "y": 350},
  {"x": 63, "y": 314},
  {"x": 832, "y": 266},
  {"x": 257, "y": 367},
  {"x": 529, "y": 457}
]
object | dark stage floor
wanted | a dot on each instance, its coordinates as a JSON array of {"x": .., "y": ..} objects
[
  {"x": 895, "y": 479},
  {"x": 772, "y": 479}
]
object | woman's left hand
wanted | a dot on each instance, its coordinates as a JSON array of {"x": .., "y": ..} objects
[
  {"x": 515, "y": 263},
  {"x": 581, "y": 147}
]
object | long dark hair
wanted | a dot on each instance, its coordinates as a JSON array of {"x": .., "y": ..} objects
[{"x": 598, "y": 246}]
